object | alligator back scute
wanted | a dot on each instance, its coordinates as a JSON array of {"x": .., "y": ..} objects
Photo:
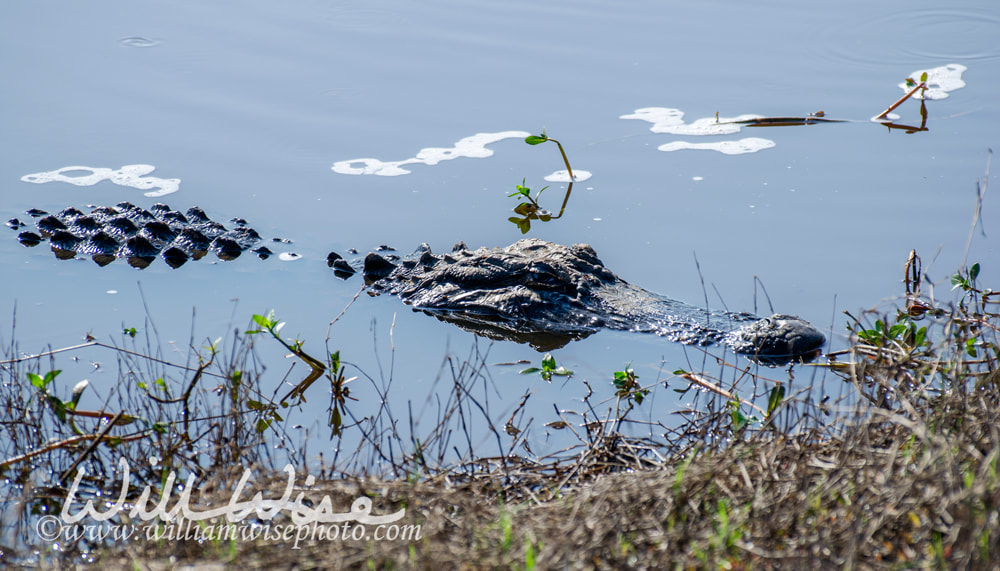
[{"x": 139, "y": 235}]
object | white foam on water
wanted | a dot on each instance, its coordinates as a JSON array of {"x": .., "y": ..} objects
[
  {"x": 473, "y": 147},
  {"x": 940, "y": 81},
  {"x": 742, "y": 146},
  {"x": 671, "y": 121},
  {"x": 563, "y": 176},
  {"x": 129, "y": 175}
]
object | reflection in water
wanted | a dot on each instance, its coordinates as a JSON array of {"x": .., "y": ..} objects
[
  {"x": 531, "y": 210},
  {"x": 128, "y": 175},
  {"x": 501, "y": 330},
  {"x": 472, "y": 147}
]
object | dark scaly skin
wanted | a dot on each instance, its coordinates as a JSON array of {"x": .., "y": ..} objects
[
  {"x": 532, "y": 291},
  {"x": 139, "y": 235},
  {"x": 548, "y": 294}
]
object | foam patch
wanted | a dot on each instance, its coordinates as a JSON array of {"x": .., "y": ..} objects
[
  {"x": 473, "y": 147},
  {"x": 671, "y": 121},
  {"x": 940, "y": 81},
  {"x": 129, "y": 175}
]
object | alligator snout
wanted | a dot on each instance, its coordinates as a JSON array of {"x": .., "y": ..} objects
[{"x": 778, "y": 339}]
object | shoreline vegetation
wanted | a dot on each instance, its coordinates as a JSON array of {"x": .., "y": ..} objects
[
  {"x": 900, "y": 470},
  {"x": 884, "y": 455}
]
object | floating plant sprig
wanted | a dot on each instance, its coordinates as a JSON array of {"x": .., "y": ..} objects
[
  {"x": 532, "y": 210},
  {"x": 922, "y": 87}
]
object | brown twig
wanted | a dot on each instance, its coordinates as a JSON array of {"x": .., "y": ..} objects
[{"x": 900, "y": 101}]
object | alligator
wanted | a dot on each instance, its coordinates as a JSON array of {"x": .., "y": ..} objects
[
  {"x": 532, "y": 291},
  {"x": 547, "y": 294}
]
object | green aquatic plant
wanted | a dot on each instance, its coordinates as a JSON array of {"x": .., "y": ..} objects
[
  {"x": 532, "y": 210},
  {"x": 340, "y": 392},
  {"x": 543, "y": 138},
  {"x": 627, "y": 387},
  {"x": 270, "y": 324},
  {"x": 548, "y": 369}
]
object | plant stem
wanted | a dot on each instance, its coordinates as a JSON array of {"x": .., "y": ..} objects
[{"x": 565, "y": 160}]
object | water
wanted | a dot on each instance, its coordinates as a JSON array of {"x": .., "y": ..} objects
[{"x": 250, "y": 105}]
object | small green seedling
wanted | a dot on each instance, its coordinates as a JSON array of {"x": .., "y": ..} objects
[
  {"x": 340, "y": 392},
  {"x": 740, "y": 420},
  {"x": 548, "y": 369},
  {"x": 627, "y": 387},
  {"x": 531, "y": 210},
  {"x": 543, "y": 138}
]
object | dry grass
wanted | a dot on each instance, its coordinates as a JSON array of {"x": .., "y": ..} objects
[{"x": 899, "y": 473}]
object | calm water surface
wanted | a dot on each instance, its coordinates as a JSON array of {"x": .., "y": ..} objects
[{"x": 250, "y": 104}]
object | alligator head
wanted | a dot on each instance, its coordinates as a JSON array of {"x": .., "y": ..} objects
[{"x": 548, "y": 294}]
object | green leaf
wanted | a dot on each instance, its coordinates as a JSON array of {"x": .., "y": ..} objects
[
  {"x": 548, "y": 362},
  {"x": 970, "y": 347},
  {"x": 774, "y": 400},
  {"x": 536, "y": 139},
  {"x": 335, "y": 361},
  {"x": 261, "y": 320},
  {"x": 897, "y": 330},
  {"x": 530, "y": 370},
  {"x": 37, "y": 381},
  {"x": 923, "y": 76},
  {"x": 130, "y": 331},
  {"x": 974, "y": 271},
  {"x": 262, "y": 425}
]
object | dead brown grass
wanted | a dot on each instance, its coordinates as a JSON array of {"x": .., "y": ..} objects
[{"x": 900, "y": 474}]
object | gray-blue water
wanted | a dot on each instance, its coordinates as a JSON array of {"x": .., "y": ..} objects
[{"x": 250, "y": 105}]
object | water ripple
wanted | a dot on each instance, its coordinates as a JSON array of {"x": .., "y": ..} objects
[
  {"x": 139, "y": 42},
  {"x": 913, "y": 35}
]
